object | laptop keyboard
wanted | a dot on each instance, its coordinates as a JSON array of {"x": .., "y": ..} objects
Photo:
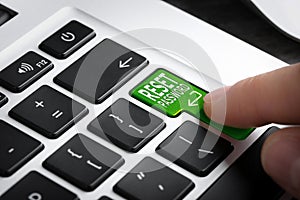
[{"x": 86, "y": 162}]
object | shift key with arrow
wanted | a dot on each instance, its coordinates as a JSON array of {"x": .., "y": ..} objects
[{"x": 173, "y": 95}]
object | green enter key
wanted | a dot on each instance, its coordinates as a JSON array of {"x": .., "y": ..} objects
[{"x": 172, "y": 95}]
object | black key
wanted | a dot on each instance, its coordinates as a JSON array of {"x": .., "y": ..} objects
[
  {"x": 83, "y": 162},
  {"x": 35, "y": 186},
  {"x": 16, "y": 149},
  {"x": 152, "y": 180},
  {"x": 23, "y": 72},
  {"x": 3, "y": 99},
  {"x": 245, "y": 179},
  {"x": 195, "y": 148},
  {"x": 6, "y": 14},
  {"x": 67, "y": 40},
  {"x": 126, "y": 125},
  {"x": 101, "y": 71},
  {"x": 48, "y": 112},
  {"x": 105, "y": 198}
]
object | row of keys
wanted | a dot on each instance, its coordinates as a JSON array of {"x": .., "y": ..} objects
[
  {"x": 86, "y": 164},
  {"x": 31, "y": 66},
  {"x": 126, "y": 125},
  {"x": 148, "y": 180},
  {"x": 95, "y": 79},
  {"x": 191, "y": 146},
  {"x": 94, "y": 76}
]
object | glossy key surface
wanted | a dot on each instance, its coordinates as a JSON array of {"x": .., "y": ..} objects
[
  {"x": 83, "y": 162},
  {"x": 3, "y": 99},
  {"x": 195, "y": 148},
  {"x": 101, "y": 71},
  {"x": 173, "y": 95},
  {"x": 67, "y": 39},
  {"x": 48, "y": 111},
  {"x": 35, "y": 186},
  {"x": 150, "y": 180},
  {"x": 127, "y": 125},
  {"x": 24, "y": 71},
  {"x": 16, "y": 149}
]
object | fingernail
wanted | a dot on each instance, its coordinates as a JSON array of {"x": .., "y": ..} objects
[
  {"x": 215, "y": 104},
  {"x": 216, "y": 95},
  {"x": 281, "y": 159}
]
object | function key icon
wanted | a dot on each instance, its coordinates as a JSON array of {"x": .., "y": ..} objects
[{"x": 24, "y": 68}]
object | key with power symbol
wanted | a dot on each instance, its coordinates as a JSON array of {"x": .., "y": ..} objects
[{"x": 67, "y": 40}]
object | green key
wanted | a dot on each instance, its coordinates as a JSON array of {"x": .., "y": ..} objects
[{"x": 172, "y": 95}]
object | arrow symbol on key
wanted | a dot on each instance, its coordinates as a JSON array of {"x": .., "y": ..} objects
[
  {"x": 125, "y": 64},
  {"x": 195, "y": 101}
]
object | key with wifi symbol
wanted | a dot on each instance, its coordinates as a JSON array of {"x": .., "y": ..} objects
[
  {"x": 25, "y": 67},
  {"x": 21, "y": 73}
]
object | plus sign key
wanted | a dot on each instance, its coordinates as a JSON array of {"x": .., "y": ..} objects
[
  {"x": 48, "y": 112},
  {"x": 173, "y": 95}
]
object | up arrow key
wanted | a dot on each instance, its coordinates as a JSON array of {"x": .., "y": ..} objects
[{"x": 125, "y": 64}]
